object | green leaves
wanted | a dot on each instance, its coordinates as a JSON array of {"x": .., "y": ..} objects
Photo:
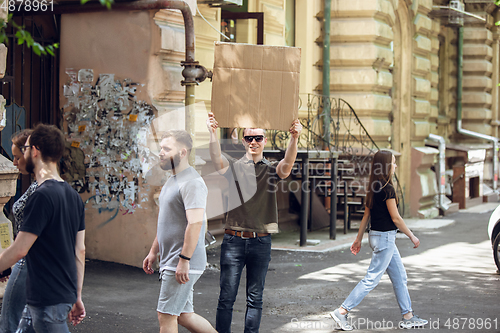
[
  {"x": 497, "y": 2},
  {"x": 24, "y": 36},
  {"x": 106, "y": 3}
]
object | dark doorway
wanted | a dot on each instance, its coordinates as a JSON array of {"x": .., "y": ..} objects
[{"x": 30, "y": 85}]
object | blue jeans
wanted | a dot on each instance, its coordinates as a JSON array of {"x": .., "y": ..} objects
[
  {"x": 50, "y": 319},
  {"x": 14, "y": 298},
  {"x": 385, "y": 257},
  {"x": 236, "y": 252}
]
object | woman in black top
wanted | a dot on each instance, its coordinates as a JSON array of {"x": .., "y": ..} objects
[
  {"x": 14, "y": 299},
  {"x": 381, "y": 205}
]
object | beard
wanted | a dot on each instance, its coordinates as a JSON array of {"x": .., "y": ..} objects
[
  {"x": 30, "y": 166},
  {"x": 171, "y": 163}
]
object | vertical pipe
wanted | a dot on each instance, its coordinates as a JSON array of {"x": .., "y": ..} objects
[
  {"x": 304, "y": 209},
  {"x": 189, "y": 117},
  {"x": 460, "y": 71},
  {"x": 326, "y": 73},
  {"x": 333, "y": 199},
  {"x": 312, "y": 189},
  {"x": 346, "y": 207}
]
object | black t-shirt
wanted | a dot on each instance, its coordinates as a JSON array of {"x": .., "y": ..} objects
[
  {"x": 380, "y": 218},
  {"x": 55, "y": 213}
]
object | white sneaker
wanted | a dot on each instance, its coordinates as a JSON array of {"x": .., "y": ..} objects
[
  {"x": 341, "y": 320},
  {"x": 413, "y": 322}
]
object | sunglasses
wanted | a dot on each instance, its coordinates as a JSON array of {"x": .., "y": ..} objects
[{"x": 250, "y": 138}]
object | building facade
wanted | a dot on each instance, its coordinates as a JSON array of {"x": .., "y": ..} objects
[{"x": 396, "y": 62}]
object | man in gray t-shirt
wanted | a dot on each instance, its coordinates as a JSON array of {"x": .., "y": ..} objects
[{"x": 180, "y": 236}]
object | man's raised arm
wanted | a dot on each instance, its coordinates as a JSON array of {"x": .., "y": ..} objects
[
  {"x": 286, "y": 164},
  {"x": 220, "y": 162}
]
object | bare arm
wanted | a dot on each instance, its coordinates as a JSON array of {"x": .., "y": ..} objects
[
  {"x": 77, "y": 313},
  {"x": 220, "y": 162},
  {"x": 191, "y": 236},
  {"x": 18, "y": 250},
  {"x": 285, "y": 166},
  {"x": 356, "y": 245},
  {"x": 147, "y": 264},
  {"x": 399, "y": 222},
  {"x": 80, "y": 260}
]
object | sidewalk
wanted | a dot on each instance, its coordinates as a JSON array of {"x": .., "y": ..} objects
[{"x": 319, "y": 240}]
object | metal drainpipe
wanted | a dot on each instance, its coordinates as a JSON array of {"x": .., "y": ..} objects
[
  {"x": 459, "y": 110},
  {"x": 442, "y": 167},
  {"x": 193, "y": 73},
  {"x": 326, "y": 73}
]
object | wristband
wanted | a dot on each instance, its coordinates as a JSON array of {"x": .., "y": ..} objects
[{"x": 184, "y": 257}]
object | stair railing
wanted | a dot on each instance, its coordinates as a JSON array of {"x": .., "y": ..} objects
[{"x": 347, "y": 135}]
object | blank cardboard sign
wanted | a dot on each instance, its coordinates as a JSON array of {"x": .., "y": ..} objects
[{"x": 256, "y": 86}]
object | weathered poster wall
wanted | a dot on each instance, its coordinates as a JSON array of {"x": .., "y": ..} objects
[
  {"x": 109, "y": 160},
  {"x": 111, "y": 127}
]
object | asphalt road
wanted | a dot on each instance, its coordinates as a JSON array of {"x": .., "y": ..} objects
[{"x": 451, "y": 277}]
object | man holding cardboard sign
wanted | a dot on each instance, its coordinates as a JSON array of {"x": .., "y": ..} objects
[{"x": 248, "y": 228}]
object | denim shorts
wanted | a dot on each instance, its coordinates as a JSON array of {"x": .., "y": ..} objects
[{"x": 176, "y": 298}]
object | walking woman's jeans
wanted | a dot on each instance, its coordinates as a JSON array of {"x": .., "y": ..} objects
[
  {"x": 14, "y": 298},
  {"x": 385, "y": 257},
  {"x": 237, "y": 252}
]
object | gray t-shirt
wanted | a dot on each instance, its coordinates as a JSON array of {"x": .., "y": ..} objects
[{"x": 183, "y": 191}]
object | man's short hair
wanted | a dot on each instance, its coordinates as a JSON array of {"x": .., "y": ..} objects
[
  {"x": 181, "y": 137},
  {"x": 49, "y": 140},
  {"x": 263, "y": 130}
]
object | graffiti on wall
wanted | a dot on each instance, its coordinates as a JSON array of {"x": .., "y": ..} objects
[{"x": 111, "y": 127}]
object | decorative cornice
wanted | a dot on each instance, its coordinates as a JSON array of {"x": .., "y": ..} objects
[
  {"x": 169, "y": 17},
  {"x": 487, "y": 6},
  {"x": 171, "y": 56}
]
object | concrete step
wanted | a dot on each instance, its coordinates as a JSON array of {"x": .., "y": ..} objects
[
  {"x": 490, "y": 197},
  {"x": 453, "y": 208}
]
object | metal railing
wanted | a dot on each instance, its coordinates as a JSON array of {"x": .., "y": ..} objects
[{"x": 346, "y": 135}]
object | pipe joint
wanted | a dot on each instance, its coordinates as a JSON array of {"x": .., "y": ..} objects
[{"x": 194, "y": 73}]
